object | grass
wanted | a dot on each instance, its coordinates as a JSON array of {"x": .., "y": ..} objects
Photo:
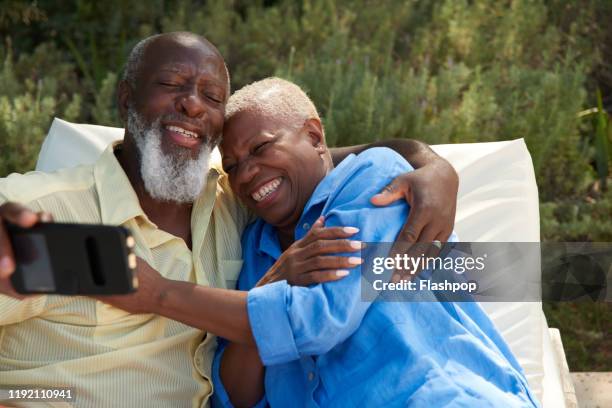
[{"x": 585, "y": 332}]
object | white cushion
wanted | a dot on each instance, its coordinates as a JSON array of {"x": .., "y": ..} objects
[
  {"x": 70, "y": 144},
  {"x": 497, "y": 202}
]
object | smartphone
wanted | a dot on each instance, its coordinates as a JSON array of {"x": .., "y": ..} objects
[{"x": 73, "y": 259}]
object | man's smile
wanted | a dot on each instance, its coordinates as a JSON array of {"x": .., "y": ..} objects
[
  {"x": 184, "y": 132},
  {"x": 183, "y": 135}
]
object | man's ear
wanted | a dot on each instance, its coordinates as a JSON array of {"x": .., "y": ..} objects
[
  {"x": 316, "y": 134},
  {"x": 124, "y": 95}
]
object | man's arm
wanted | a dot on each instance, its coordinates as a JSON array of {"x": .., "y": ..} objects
[
  {"x": 431, "y": 190},
  {"x": 418, "y": 154}
]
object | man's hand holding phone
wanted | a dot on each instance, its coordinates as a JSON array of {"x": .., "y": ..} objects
[
  {"x": 23, "y": 217},
  {"x": 38, "y": 256}
]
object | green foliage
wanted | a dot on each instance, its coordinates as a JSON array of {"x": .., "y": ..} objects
[
  {"x": 442, "y": 71},
  {"x": 577, "y": 220},
  {"x": 26, "y": 109},
  {"x": 454, "y": 72},
  {"x": 103, "y": 111},
  {"x": 601, "y": 142},
  {"x": 585, "y": 329},
  {"x": 16, "y": 11}
]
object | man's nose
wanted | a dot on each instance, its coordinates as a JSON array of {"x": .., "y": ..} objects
[{"x": 191, "y": 105}]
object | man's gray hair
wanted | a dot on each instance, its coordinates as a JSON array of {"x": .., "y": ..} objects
[
  {"x": 132, "y": 65},
  {"x": 274, "y": 97},
  {"x": 134, "y": 60}
]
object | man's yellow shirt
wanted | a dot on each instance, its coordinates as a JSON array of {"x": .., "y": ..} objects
[{"x": 109, "y": 357}]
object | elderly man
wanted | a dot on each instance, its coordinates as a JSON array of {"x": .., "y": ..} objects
[{"x": 186, "y": 222}]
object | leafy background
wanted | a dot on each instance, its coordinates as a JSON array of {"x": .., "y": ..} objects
[{"x": 442, "y": 71}]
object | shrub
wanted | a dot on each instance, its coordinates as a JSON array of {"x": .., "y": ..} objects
[
  {"x": 26, "y": 111},
  {"x": 441, "y": 71}
]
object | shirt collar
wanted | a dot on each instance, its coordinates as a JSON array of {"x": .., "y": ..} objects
[
  {"x": 329, "y": 184},
  {"x": 268, "y": 243},
  {"x": 268, "y": 240},
  {"x": 118, "y": 200}
]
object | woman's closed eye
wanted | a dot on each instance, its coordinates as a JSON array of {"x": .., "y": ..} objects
[
  {"x": 259, "y": 148},
  {"x": 227, "y": 168},
  {"x": 169, "y": 84}
]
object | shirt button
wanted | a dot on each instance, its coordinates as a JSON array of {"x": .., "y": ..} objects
[
  {"x": 310, "y": 376},
  {"x": 306, "y": 226}
]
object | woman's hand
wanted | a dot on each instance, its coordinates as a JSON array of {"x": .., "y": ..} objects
[{"x": 307, "y": 261}]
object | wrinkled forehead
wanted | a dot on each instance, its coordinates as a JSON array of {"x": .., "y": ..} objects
[
  {"x": 248, "y": 126},
  {"x": 184, "y": 53},
  {"x": 241, "y": 128}
]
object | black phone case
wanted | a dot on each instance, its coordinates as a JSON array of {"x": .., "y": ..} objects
[{"x": 84, "y": 259}]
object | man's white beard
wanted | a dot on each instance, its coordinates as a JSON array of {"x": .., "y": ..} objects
[{"x": 177, "y": 177}]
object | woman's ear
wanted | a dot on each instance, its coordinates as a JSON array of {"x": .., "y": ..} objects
[{"x": 316, "y": 134}]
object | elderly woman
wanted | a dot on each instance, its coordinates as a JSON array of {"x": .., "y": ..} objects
[{"x": 322, "y": 345}]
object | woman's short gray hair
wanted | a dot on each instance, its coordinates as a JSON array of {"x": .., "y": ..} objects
[{"x": 274, "y": 97}]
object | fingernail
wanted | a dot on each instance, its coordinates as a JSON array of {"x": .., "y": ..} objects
[
  {"x": 350, "y": 230},
  {"x": 45, "y": 217},
  {"x": 353, "y": 260},
  {"x": 6, "y": 266},
  {"x": 357, "y": 244},
  {"x": 27, "y": 217},
  {"x": 342, "y": 272}
]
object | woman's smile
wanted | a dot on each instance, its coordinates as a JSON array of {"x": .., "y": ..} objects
[{"x": 268, "y": 193}]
